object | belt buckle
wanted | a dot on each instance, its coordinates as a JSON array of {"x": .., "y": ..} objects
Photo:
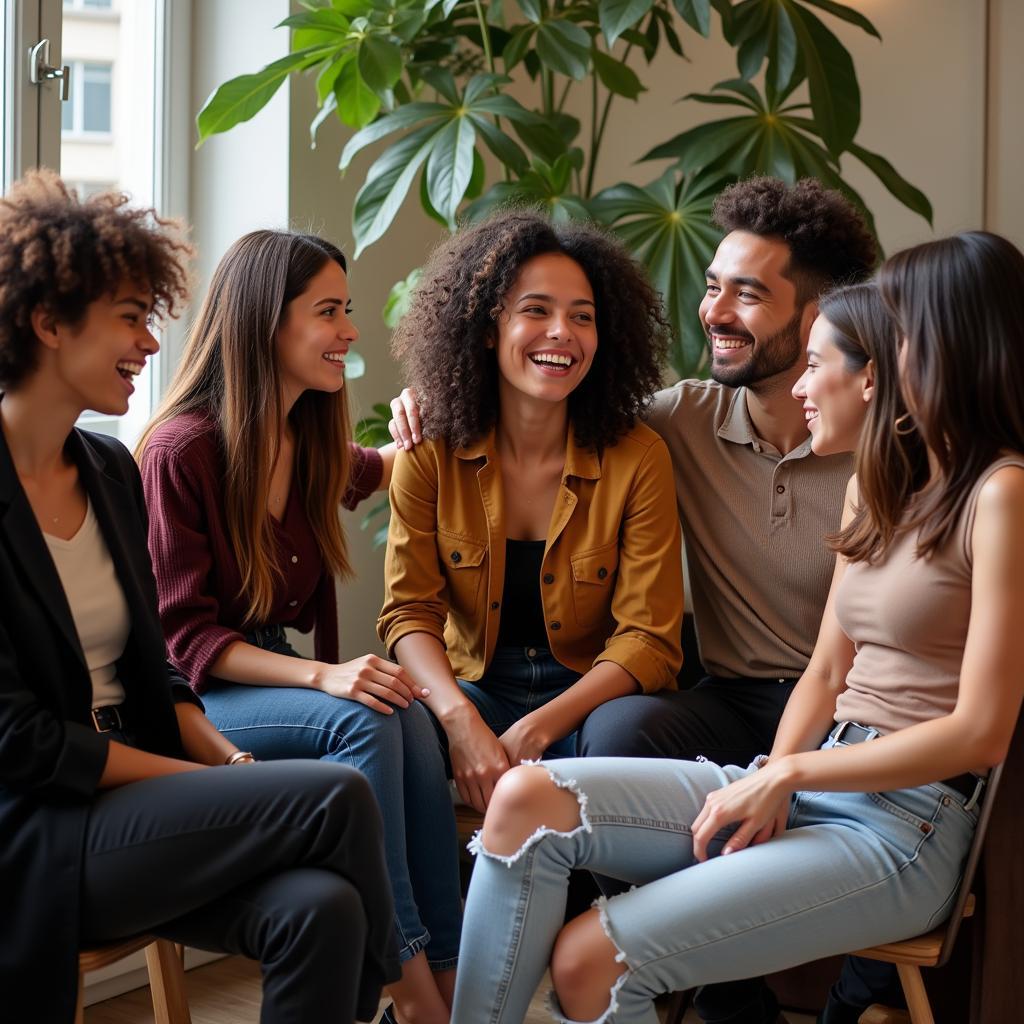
[{"x": 110, "y": 709}]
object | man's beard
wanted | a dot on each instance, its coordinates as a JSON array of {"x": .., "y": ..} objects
[{"x": 770, "y": 357}]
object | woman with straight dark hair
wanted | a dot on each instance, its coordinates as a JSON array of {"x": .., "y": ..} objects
[
  {"x": 123, "y": 811},
  {"x": 245, "y": 467},
  {"x": 854, "y": 829}
]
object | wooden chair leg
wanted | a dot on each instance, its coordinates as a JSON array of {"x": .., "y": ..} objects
[
  {"x": 80, "y": 1000},
  {"x": 917, "y": 999},
  {"x": 167, "y": 983}
]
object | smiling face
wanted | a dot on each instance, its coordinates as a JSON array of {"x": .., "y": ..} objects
[
  {"x": 749, "y": 313},
  {"x": 835, "y": 398},
  {"x": 314, "y": 335},
  {"x": 547, "y": 330},
  {"x": 97, "y": 359}
]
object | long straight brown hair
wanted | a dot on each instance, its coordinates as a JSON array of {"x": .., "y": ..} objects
[
  {"x": 229, "y": 371},
  {"x": 889, "y": 464},
  {"x": 958, "y": 304}
]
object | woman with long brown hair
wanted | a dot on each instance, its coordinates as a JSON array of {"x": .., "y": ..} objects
[
  {"x": 245, "y": 466},
  {"x": 853, "y": 831},
  {"x": 123, "y": 811}
]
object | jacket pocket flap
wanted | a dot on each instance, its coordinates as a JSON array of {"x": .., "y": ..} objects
[
  {"x": 596, "y": 566},
  {"x": 460, "y": 552}
]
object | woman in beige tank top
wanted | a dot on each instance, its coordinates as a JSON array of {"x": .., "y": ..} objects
[{"x": 825, "y": 845}]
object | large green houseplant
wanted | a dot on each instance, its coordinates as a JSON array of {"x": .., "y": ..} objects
[{"x": 429, "y": 85}]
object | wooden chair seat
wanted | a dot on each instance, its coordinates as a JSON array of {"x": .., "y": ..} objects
[{"x": 164, "y": 960}]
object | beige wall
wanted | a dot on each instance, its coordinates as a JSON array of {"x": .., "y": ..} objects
[{"x": 938, "y": 101}]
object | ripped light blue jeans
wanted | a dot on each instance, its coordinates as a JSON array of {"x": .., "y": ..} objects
[{"x": 852, "y": 870}]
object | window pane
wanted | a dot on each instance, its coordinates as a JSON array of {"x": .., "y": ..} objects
[
  {"x": 104, "y": 4},
  {"x": 95, "y": 98},
  {"x": 67, "y": 112},
  {"x": 94, "y": 154}
]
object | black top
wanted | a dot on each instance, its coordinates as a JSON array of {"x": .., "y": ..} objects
[{"x": 522, "y": 614}]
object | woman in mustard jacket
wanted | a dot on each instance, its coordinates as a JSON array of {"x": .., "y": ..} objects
[{"x": 533, "y": 567}]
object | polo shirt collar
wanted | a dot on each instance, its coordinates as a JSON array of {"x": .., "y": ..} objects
[
  {"x": 738, "y": 427},
  {"x": 579, "y": 461}
]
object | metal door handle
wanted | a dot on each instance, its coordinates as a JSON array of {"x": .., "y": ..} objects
[{"x": 40, "y": 70}]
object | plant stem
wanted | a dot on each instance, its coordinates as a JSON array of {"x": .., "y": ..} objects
[
  {"x": 595, "y": 143},
  {"x": 485, "y": 36},
  {"x": 565, "y": 93}
]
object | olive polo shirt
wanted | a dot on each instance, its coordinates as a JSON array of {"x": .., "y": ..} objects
[{"x": 754, "y": 526}]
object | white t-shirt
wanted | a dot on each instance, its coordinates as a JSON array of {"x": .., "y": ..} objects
[{"x": 97, "y": 603}]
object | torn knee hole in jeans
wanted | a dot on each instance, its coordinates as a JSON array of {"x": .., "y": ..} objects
[
  {"x": 601, "y": 905},
  {"x": 476, "y": 844}
]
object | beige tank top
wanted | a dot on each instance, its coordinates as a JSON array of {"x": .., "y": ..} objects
[{"x": 908, "y": 618}]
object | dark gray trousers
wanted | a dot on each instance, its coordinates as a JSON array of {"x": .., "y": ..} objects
[{"x": 281, "y": 862}]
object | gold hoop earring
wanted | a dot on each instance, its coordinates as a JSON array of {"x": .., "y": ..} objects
[{"x": 901, "y": 427}]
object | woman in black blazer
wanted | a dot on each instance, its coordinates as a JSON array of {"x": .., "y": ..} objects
[{"x": 113, "y": 821}]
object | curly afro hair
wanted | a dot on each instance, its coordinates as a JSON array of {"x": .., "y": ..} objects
[
  {"x": 61, "y": 254},
  {"x": 443, "y": 340},
  {"x": 828, "y": 239}
]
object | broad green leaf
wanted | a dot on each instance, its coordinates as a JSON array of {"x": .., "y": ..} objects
[
  {"x": 785, "y": 51},
  {"x": 428, "y": 207},
  {"x": 355, "y": 365},
  {"x": 404, "y": 117},
  {"x": 481, "y": 84},
  {"x": 533, "y": 9},
  {"x": 835, "y": 94},
  {"x": 618, "y": 15},
  {"x": 329, "y": 75},
  {"x": 450, "y": 166},
  {"x": 667, "y": 226},
  {"x": 847, "y": 14},
  {"x": 541, "y": 139},
  {"x": 330, "y": 105},
  {"x": 358, "y": 104},
  {"x": 352, "y": 8},
  {"x": 704, "y": 145},
  {"x": 380, "y": 62},
  {"x": 476, "y": 179},
  {"x": 241, "y": 98},
  {"x": 564, "y": 47},
  {"x": 696, "y": 14},
  {"x": 507, "y": 151},
  {"x": 616, "y": 76},
  {"x": 443, "y": 81},
  {"x": 399, "y": 300},
  {"x": 387, "y": 185},
  {"x": 333, "y": 22},
  {"x": 911, "y": 197},
  {"x": 518, "y": 46},
  {"x": 506, "y": 106}
]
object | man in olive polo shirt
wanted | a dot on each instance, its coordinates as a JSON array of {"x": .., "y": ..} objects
[{"x": 756, "y": 506}]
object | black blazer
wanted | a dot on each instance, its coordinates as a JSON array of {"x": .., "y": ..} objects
[{"x": 51, "y": 758}]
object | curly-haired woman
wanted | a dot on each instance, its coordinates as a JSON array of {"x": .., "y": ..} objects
[
  {"x": 244, "y": 466},
  {"x": 533, "y": 568},
  {"x": 120, "y": 806}
]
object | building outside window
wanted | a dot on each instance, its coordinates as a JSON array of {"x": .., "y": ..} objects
[{"x": 88, "y": 109}]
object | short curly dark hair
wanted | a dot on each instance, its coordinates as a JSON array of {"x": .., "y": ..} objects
[
  {"x": 829, "y": 242},
  {"x": 61, "y": 254},
  {"x": 443, "y": 340}
]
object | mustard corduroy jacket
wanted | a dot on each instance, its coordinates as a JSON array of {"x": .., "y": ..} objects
[{"x": 611, "y": 578}]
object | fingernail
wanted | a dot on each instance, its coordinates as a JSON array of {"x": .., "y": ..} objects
[
  {"x": 424, "y": 693},
  {"x": 416, "y": 438}
]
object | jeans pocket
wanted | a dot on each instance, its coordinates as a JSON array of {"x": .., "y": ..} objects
[{"x": 905, "y": 828}]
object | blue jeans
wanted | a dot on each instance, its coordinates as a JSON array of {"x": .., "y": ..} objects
[
  {"x": 852, "y": 870},
  {"x": 400, "y": 757},
  {"x": 517, "y": 681}
]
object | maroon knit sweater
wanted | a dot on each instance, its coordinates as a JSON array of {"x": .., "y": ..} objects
[{"x": 197, "y": 576}]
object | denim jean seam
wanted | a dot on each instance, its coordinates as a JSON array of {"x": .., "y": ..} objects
[
  {"x": 341, "y": 746},
  {"x": 448, "y": 964},
  {"x": 637, "y": 967},
  {"x": 658, "y": 825},
  {"x": 410, "y": 947}
]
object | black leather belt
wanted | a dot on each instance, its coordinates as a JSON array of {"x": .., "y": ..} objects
[
  {"x": 968, "y": 785},
  {"x": 108, "y": 718}
]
